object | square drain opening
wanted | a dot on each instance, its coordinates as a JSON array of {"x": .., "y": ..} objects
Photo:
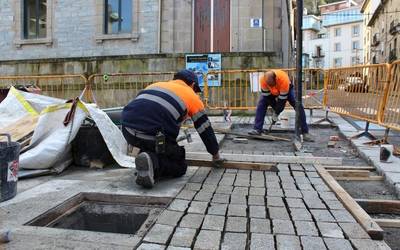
[{"x": 106, "y": 213}]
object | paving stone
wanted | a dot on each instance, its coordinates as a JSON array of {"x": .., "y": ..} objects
[
  {"x": 221, "y": 198},
  {"x": 244, "y": 172},
  {"x": 168, "y": 217},
  {"x": 193, "y": 186},
  {"x": 305, "y": 186},
  {"x": 203, "y": 196},
  {"x": 282, "y": 227},
  {"x": 257, "y": 191},
  {"x": 342, "y": 216},
  {"x": 271, "y": 178},
  {"x": 316, "y": 181},
  {"x": 287, "y": 242},
  {"x": 257, "y": 183},
  {"x": 302, "y": 180},
  {"x": 322, "y": 215},
  {"x": 330, "y": 230},
  {"x": 233, "y": 241},
  {"x": 275, "y": 202},
  {"x": 273, "y": 185},
  {"x": 192, "y": 221},
  {"x": 312, "y": 243},
  {"x": 183, "y": 237},
  {"x": 307, "y": 228},
  {"x": 212, "y": 180},
  {"x": 298, "y": 173},
  {"x": 179, "y": 205},
  {"x": 198, "y": 207},
  {"x": 295, "y": 203},
  {"x": 301, "y": 214},
  {"x": 314, "y": 203},
  {"x": 309, "y": 168},
  {"x": 214, "y": 222},
  {"x": 326, "y": 196},
  {"x": 217, "y": 209},
  {"x": 224, "y": 189},
  {"x": 229, "y": 170},
  {"x": 310, "y": 194},
  {"x": 177, "y": 248},
  {"x": 284, "y": 173},
  {"x": 274, "y": 192},
  {"x": 186, "y": 194},
  {"x": 256, "y": 200},
  {"x": 236, "y": 224},
  {"x": 293, "y": 193},
  {"x": 262, "y": 241},
  {"x": 283, "y": 167},
  {"x": 242, "y": 181},
  {"x": 322, "y": 187},
  {"x": 296, "y": 167},
  {"x": 240, "y": 191},
  {"x": 159, "y": 234},
  {"x": 257, "y": 212},
  {"x": 208, "y": 240},
  {"x": 278, "y": 213},
  {"x": 150, "y": 246},
  {"x": 334, "y": 205},
  {"x": 367, "y": 244},
  {"x": 238, "y": 199},
  {"x": 287, "y": 179},
  {"x": 237, "y": 210},
  {"x": 354, "y": 231},
  {"x": 312, "y": 174},
  {"x": 209, "y": 188},
  {"x": 227, "y": 181},
  {"x": 337, "y": 244},
  {"x": 260, "y": 225}
]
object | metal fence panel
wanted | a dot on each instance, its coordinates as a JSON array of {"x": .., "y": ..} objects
[
  {"x": 391, "y": 107},
  {"x": 357, "y": 91}
]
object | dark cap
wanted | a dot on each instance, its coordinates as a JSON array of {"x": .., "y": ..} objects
[{"x": 188, "y": 77}]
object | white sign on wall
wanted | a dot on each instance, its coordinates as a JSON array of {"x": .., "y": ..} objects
[{"x": 255, "y": 22}]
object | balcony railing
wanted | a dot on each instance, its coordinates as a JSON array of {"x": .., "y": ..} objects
[
  {"x": 392, "y": 56},
  {"x": 394, "y": 27},
  {"x": 375, "y": 40}
]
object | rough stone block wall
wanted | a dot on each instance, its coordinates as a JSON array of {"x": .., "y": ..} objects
[{"x": 74, "y": 32}]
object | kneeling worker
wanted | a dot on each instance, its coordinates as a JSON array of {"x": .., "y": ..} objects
[
  {"x": 276, "y": 89},
  {"x": 152, "y": 121}
]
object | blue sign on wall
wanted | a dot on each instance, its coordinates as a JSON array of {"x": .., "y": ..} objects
[{"x": 201, "y": 64}]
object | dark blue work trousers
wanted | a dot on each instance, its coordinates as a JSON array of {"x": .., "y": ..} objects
[{"x": 270, "y": 100}]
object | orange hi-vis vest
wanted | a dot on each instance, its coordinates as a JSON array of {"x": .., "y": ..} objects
[{"x": 281, "y": 89}]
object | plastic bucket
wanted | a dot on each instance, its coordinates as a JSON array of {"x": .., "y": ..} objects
[{"x": 9, "y": 164}]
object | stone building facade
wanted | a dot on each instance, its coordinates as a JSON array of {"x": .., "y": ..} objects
[
  {"x": 382, "y": 23},
  {"x": 100, "y": 29}
]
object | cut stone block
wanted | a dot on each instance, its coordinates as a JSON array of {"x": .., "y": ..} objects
[
  {"x": 354, "y": 231},
  {"x": 208, "y": 240},
  {"x": 179, "y": 205},
  {"x": 275, "y": 202},
  {"x": 312, "y": 243},
  {"x": 183, "y": 237},
  {"x": 337, "y": 244},
  {"x": 159, "y": 234},
  {"x": 260, "y": 226},
  {"x": 169, "y": 217},
  {"x": 278, "y": 213},
  {"x": 300, "y": 214},
  {"x": 237, "y": 210},
  {"x": 192, "y": 221},
  {"x": 257, "y": 212},
  {"x": 286, "y": 242},
  {"x": 330, "y": 230},
  {"x": 198, "y": 207},
  {"x": 233, "y": 241},
  {"x": 236, "y": 224},
  {"x": 217, "y": 209},
  {"x": 214, "y": 222},
  {"x": 322, "y": 215},
  {"x": 282, "y": 227},
  {"x": 262, "y": 241},
  {"x": 306, "y": 228}
]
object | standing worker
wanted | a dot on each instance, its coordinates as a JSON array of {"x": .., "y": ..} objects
[
  {"x": 152, "y": 122},
  {"x": 276, "y": 89}
]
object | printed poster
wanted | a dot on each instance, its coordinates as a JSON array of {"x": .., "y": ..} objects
[{"x": 201, "y": 64}]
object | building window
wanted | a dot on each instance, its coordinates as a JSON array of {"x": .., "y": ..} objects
[
  {"x": 355, "y": 45},
  {"x": 34, "y": 19},
  {"x": 116, "y": 20},
  {"x": 337, "y": 62},
  {"x": 355, "y": 31},
  {"x": 117, "y": 16},
  {"x": 355, "y": 60},
  {"x": 338, "y": 31},
  {"x": 337, "y": 47}
]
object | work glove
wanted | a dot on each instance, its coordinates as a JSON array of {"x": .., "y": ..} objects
[
  {"x": 274, "y": 118},
  {"x": 217, "y": 161}
]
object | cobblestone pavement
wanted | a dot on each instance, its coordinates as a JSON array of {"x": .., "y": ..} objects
[{"x": 243, "y": 209}]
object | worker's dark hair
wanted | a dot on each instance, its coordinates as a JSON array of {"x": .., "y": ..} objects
[{"x": 188, "y": 77}]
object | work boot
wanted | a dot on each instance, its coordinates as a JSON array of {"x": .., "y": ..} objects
[
  {"x": 145, "y": 170},
  {"x": 254, "y": 132},
  {"x": 308, "y": 137}
]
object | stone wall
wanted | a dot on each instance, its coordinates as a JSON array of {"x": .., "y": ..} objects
[{"x": 130, "y": 64}]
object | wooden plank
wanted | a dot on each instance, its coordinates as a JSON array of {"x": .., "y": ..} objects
[
  {"x": 349, "y": 167},
  {"x": 348, "y": 173},
  {"x": 21, "y": 129},
  {"x": 270, "y": 158},
  {"x": 388, "y": 222},
  {"x": 369, "y": 225},
  {"x": 234, "y": 165},
  {"x": 380, "y": 206},
  {"x": 369, "y": 178}
]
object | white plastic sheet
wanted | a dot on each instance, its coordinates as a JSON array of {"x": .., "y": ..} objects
[{"x": 51, "y": 141}]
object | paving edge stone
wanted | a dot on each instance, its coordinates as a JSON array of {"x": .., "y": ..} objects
[{"x": 393, "y": 186}]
